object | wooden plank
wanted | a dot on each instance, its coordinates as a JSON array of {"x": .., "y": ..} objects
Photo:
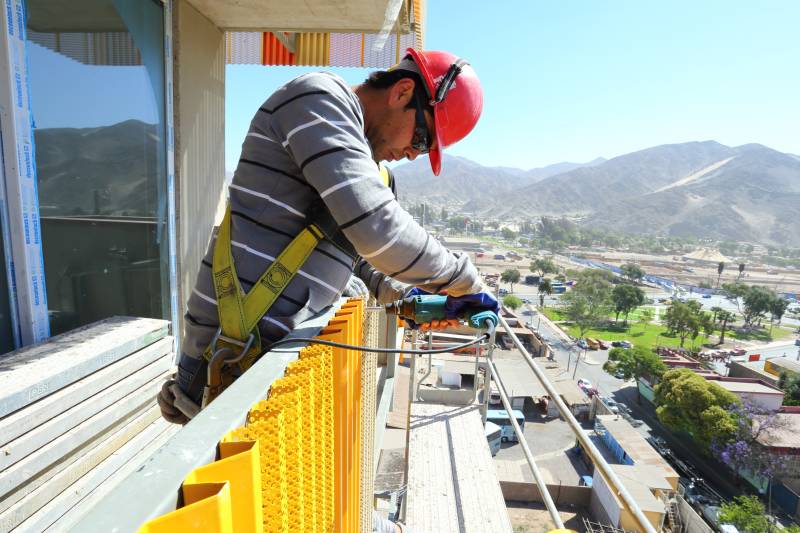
[
  {"x": 31, "y": 373},
  {"x": 452, "y": 481},
  {"x": 38, "y": 461},
  {"x": 37, "y": 492},
  {"x": 24, "y": 445},
  {"x": 68, "y": 507},
  {"x": 26, "y": 419}
]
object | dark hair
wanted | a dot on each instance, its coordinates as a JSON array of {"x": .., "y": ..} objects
[{"x": 383, "y": 79}]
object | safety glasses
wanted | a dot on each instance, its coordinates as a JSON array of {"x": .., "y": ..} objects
[{"x": 422, "y": 139}]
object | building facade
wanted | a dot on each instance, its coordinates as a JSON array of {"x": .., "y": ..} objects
[{"x": 113, "y": 122}]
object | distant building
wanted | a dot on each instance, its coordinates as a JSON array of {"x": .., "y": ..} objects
[
  {"x": 752, "y": 391},
  {"x": 645, "y": 474}
]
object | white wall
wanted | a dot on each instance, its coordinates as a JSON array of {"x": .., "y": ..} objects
[{"x": 199, "y": 100}]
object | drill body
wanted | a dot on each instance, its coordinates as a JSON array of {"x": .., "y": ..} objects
[{"x": 424, "y": 308}]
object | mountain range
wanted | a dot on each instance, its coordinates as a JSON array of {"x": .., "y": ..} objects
[{"x": 698, "y": 189}]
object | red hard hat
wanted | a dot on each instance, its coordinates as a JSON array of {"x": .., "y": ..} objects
[{"x": 456, "y": 98}]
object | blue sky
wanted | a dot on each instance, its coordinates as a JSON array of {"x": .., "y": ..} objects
[{"x": 574, "y": 80}]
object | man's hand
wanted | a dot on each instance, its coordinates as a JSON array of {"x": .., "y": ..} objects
[
  {"x": 455, "y": 306},
  {"x": 166, "y": 401}
]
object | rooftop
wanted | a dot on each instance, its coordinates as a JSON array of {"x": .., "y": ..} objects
[
  {"x": 785, "y": 434},
  {"x": 636, "y": 446},
  {"x": 744, "y": 385}
]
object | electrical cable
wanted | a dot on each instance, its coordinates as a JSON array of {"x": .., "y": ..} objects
[{"x": 482, "y": 338}]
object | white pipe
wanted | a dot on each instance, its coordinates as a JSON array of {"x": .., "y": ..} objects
[{"x": 594, "y": 454}]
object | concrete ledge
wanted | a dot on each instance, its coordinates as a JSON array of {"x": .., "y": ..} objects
[{"x": 522, "y": 491}]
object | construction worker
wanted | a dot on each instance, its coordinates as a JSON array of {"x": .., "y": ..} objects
[{"x": 308, "y": 170}]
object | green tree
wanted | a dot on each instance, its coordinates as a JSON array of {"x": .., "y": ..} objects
[
  {"x": 544, "y": 266},
  {"x": 685, "y": 401},
  {"x": 777, "y": 307},
  {"x": 508, "y": 234},
  {"x": 715, "y": 311},
  {"x": 720, "y": 269},
  {"x": 646, "y": 315},
  {"x": 757, "y": 303},
  {"x": 443, "y": 216},
  {"x": 626, "y": 298},
  {"x": 790, "y": 383},
  {"x": 545, "y": 289},
  {"x": 589, "y": 302},
  {"x": 684, "y": 319},
  {"x": 512, "y": 302},
  {"x": 747, "y": 513},
  {"x": 725, "y": 319},
  {"x": 632, "y": 272},
  {"x": 634, "y": 363},
  {"x": 735, "y": 292},
  {"x": 510, "y": 276}
]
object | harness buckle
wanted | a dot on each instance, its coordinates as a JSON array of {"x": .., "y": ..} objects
[{"x": 223, "y": 357}]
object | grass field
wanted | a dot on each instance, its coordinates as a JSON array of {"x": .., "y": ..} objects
[{"x": 655, "y": 334}]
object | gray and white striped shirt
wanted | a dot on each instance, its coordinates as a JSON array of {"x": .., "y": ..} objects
[{"x": 305, "y": 143}]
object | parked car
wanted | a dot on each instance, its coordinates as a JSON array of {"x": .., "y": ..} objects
[
  {"x": 625, "y": 344},
  {"x": 526, "y": 300},
  {"x": 612, "y": 405},
  {"x": 503, "y": 292},
  {"x": 582, "y": 344},
  {"x": 593, "y": 344},
  {"x": 584, "y": 383},
  {"x": 706, "y": 296},
  {"x": 616, "y": 344},
  {"x": 619, "y": 374},
  {"x": 602, "y": 344}
]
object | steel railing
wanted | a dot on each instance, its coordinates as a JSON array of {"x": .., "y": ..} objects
[{"x": 596, "y": 457}]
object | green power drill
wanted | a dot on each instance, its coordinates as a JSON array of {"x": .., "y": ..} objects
[{"x": 424, "y": 308}]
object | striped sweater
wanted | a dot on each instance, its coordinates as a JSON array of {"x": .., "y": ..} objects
[{"x": 304, "y": 144}]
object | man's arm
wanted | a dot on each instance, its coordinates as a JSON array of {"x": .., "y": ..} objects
[
  {"x": 382, "y": 287},
  {"x": 323, "y": 133}
]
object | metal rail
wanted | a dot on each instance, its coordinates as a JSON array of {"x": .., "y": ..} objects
[{"x": 594, "y": 454}]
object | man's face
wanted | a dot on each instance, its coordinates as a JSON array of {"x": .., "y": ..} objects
[{"x": 398, "y": 132}]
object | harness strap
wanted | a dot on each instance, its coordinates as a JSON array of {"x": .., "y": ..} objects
[{"x": 239, "y": 314}]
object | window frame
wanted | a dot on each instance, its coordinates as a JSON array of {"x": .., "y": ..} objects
[{"x": 19, "y": 202}]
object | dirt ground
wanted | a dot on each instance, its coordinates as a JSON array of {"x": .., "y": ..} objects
[
  {"x": 530, "y": 517},
  {"x": 668, "y": 266}
]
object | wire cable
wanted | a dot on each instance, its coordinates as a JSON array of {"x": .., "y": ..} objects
[{"x": 482, "y": 338}]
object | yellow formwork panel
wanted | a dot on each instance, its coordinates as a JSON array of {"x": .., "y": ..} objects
[
  {"x": 240, "y": 466},
  {"x": 299, "y": 450},
  {"x": 207, "y": 508}
]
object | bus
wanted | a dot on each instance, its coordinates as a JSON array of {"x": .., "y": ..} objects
[
  {"x": 493, "y": 436},
  {"x": 501, "y": 418}
]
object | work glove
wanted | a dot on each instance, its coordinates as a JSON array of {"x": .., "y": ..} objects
[
  {"x": 455, "y": 306},
  {"x": 176, "y": 407},
  {"x": 355, "y": 288}
]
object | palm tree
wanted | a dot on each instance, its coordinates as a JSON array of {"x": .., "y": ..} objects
[
  {"x": 716, "y": 309},
  {"x": 724, "y": 318},
  {"x": 544, "y": 289},
  {"x": 720, "y": 268}
]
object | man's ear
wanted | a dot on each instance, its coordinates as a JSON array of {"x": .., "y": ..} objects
[{"x": 401, "y": 93}]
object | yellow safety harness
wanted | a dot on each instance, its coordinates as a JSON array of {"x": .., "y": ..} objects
[{"x": 238, "y": 341}]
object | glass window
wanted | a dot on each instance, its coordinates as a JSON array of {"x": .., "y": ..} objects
[
  {"x": 6, "y": 335},
  {"x": 97, "y": 98}
]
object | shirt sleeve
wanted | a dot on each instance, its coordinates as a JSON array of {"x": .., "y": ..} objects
[
  {"x": 382, "y": 287},
  {"x": 324, "y": 135}
]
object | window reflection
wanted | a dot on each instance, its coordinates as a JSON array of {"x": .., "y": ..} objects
[{"x": 97, "y": 97}]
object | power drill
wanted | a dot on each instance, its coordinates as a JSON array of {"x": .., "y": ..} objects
[{"x": 424, "y": 308}]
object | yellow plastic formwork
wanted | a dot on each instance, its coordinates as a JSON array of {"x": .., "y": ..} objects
[{"x": 294, "y": 465}]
